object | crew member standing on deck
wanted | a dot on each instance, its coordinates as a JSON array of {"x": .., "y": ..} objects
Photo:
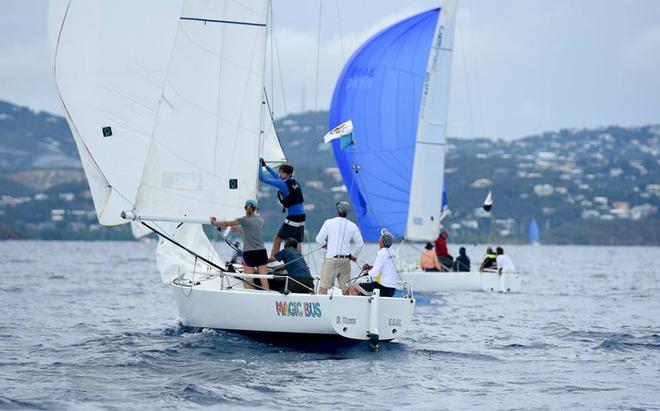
[
  {"x": 290, "y": 195},
  {"x": 335, "y": 236}
]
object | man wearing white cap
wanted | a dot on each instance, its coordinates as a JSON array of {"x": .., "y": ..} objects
[
  {"x": 383, "y": 271},
  {"x": 336, "y": 236}
]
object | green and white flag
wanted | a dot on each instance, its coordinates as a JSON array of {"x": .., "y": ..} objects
[{"x": 344, "y": 131}]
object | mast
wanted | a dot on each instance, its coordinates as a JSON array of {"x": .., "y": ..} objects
[{"x": 425, "y": 206}]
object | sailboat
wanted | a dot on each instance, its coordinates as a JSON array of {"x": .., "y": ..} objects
[
  {"x": 167, "y": 106},
  {"x": 395, "y": 90},
  {"x": 533, "y": 232}
]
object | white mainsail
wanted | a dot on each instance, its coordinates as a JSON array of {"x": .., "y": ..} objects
[
  {"x": 208, "y": 134},
  {"x": 425, "y": 207},
  {"x": 109, "y": 59}
]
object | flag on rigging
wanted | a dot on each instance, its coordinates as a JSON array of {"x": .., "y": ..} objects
[
  {"x": 488, "y": 202},
  {"x": 344, "y": 131}
]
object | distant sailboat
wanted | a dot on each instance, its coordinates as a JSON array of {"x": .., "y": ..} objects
[
  {"x": 395, "y": 89},
  {"x": 488, "y": 202},
  {"x": 533, "y": 232}
]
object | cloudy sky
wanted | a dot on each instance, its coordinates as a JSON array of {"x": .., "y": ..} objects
[{"x": 520, "y": 66}]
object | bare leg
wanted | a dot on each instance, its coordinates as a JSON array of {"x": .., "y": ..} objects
[
  {"x": 264, "y": 281},
  {"x": 323, "y": 290},
  {"x": 277, "y": 241},
  {"x": 248, "y": 283}
]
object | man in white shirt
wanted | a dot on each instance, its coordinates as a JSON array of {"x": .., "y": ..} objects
[
  {"x": 504, "y": 263},
  {"x": 335, "y": 236},
  {"x": 383, "y": 271}
]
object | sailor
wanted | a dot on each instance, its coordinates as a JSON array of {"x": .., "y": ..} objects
[
  {"x": 255, "y": 255},
  {"x": 446, "y": 260},
  {"x": 428, "y": 261},
  {"x": 335, "y": 236},
  {"x": 462, "y": 262},
  {"x": 490, "y": 261},
  {"x": 300, "y": 279},
  {"x": 504, "y": 263},
  {"x": 383, "y": 271},
  {"x": 290, "y": 195}
]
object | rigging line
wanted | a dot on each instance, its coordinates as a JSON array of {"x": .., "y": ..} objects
[
  {"x": 467, "y": 77},
  {"x": 316, "y": 81},
  {"x": 272, "y": 60},
  {"x": 279, "y": 67}
]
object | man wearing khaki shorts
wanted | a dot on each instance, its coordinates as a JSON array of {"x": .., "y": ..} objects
[{"x": 336, "y": 236}]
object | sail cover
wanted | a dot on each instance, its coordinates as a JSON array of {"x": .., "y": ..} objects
[
  {"x": 109, "y": 59},
  {"x": 380, "y": 90},
  {"x": 203, "y": 156}
]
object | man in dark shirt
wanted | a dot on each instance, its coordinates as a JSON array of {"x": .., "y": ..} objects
[
  {"x": 300, "y": 279},
  {"x": 490, "y": 261},
  {"x": 462, "y": 262}
]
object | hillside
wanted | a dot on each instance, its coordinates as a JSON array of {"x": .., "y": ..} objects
[{"x": 599, "y": 186}]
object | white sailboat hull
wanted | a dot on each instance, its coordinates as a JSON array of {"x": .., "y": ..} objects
[
  {"x": 423, "y": 281},
  {"x": 353, "y": 317}
]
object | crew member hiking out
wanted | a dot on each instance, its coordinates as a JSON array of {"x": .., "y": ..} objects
[{"x": 290, "y": 195}]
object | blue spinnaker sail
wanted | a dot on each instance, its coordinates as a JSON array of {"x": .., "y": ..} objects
[
  {"x": 380, "y": 90},
  {"x": 533, "y": 232}
]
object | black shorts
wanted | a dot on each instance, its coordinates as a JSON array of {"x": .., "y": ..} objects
[
  {"x": 384, "y": 291},
  {"x": 255, "y": 258},
  {"x": 288, "y": 231},
  {"x": 298, "y": 285}
]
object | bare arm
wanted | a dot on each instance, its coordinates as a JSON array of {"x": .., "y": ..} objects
[{"x": 224, "y": 223}]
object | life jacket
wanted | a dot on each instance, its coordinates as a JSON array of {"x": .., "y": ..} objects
[
  {"x": 492, "y": 256},
  {"x": 295, "y": 195}
]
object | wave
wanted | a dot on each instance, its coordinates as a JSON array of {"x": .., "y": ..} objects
[{"x": 625, "y": 342}]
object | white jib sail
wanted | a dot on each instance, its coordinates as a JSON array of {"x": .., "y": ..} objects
[
  {"x": 109, "y": 59},
  {"x": 203, "y": 155},
  {"x": 425, "y": 207},
  {"x": 173, "y": 261}
]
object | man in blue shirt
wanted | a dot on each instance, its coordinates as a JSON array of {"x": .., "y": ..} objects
[
  {"x": 300, "y": 279},
  {"x": 289, "y": 194}
]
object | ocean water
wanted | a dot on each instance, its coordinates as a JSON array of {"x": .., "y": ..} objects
[{"x": 88, "y": 325}]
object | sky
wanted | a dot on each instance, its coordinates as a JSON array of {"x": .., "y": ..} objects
[{"x": 521, "y": 67}]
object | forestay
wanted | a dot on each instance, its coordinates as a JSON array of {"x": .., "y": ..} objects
[
  {"x": 426, "y": 189},
  {"x": 109, "y": 59},
  {"x": 202, "y": 158}
]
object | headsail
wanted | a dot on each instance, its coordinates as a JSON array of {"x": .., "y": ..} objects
[
  {"x": 425, "y": 208},
  {"x": 488, "y": 202},
  {"x": 202, "y": 158},
  {"x": 380, "y": 90},
  {"x": 109, "y": 62}
]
